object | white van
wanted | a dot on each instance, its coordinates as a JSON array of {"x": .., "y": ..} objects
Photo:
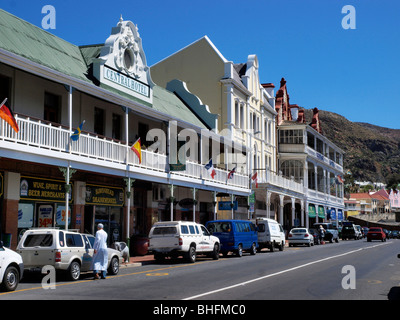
[
  {"x": 182, "y": 238},
  {"x": 270, "y": 234}
]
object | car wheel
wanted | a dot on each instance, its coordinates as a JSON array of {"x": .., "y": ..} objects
[
  {"x": 114, "y": 266},
  {"x": 191, "y": 254},
  {"x": 74, "y": 271},
  {"x": 215, "y": 254},
  {"x": 253, "y": 250},
  {"x": 239, "y": 251},
  {"x": 10, "y": 279}
]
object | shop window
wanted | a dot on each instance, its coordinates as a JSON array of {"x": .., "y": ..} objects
[{"x": 52, "y": 107}]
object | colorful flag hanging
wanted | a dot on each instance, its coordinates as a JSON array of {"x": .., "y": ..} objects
[
  {"x": 210, "y": 168},
  {"x": 137, "y": 149},
  {"x": 254, "y": 178},
  {"x": 77, "y": 132},
  {"x": 8, "y": 116},
  {"x": 339, "y": 180},
  {"x": 231, "y": 173}
]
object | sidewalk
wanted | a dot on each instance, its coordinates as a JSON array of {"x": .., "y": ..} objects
[{"x": 138, "y": 261}]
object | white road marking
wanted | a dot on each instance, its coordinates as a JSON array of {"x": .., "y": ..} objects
[{"x": 281, "y": 272}]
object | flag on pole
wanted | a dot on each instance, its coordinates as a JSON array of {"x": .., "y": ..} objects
[
  {"x": 8, "y": 116},
  {"x": 339, "y": 179},
  {"x": 254, "y": 178},
  {"x": 77, "y": 132},
  {"x": 210, "y": 168},
  {"x": 137, "y": 149},
  {"x": 231, "y": 173}
]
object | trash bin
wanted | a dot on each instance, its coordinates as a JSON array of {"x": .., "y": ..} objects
[{"x": 7, "y": 239}]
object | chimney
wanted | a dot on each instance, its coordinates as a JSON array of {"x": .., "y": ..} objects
[{"x": 294, "y": 110}]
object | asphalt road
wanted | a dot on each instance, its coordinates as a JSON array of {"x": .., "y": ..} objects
[{"x": 348, "y": 270}]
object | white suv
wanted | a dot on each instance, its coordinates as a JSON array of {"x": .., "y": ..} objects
[
  {"x": 64, "y": 250},
  {"x": 11, "y": 268},
  {"x": 182, "y": 238}
]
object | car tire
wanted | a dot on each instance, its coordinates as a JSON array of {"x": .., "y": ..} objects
[
  {"x": 74, "y": 271},
  {"x": 114, "y": 266},
  {"x": 215, "y": 254},
  {"x": 10, "y": 279},
  {"x": 239, "y": 251},
  {"x": 191, "y": 254}
]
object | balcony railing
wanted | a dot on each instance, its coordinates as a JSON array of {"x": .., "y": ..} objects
[
  {"x": 43, "y": 135},
  {"x": 271, "y": 178}
]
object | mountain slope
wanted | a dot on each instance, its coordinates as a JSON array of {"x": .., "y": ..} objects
[{"x": 372, "y": 153}]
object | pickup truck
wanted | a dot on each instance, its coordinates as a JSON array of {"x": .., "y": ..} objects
[{"x": 182, "y": 238}]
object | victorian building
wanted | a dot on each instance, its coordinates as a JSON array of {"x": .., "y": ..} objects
[
  {"x": 76, "y": 158},
  {"x": 247, "y": 115}
]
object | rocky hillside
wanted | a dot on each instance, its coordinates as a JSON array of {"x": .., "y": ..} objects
[{"x": 372, "y": 152}]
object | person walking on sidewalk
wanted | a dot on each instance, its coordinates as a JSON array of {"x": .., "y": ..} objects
[{"x": 100, "y": 257}]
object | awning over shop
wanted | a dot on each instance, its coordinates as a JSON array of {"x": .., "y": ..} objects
[
  {"x": 321, "y": 212},
  {"x": 311, "y": 211}
]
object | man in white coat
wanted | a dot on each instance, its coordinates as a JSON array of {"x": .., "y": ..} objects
[{"x": 100, "y": 257}]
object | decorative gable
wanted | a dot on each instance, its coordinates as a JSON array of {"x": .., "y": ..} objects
[{"x": 122, "y": 63}]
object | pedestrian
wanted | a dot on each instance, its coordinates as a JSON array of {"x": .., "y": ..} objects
[
  {"x": 321, "y": 233},
  {"x": 100, "y": 257}
]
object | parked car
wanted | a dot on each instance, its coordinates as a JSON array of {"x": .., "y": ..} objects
[
  {"x": 331, "y": 232},
  {"x": 11, "y": 268},
  {"x": 270, "y": 234},
  {"x": 69, "y": 251},
  {"x": 182, "y": 238},
  {"x": 300, "y": 236},
  {"x": 235, "y": 236},
  {"x": 376, "y": 233},
  {"x": 395, "y": 234},
  {"x": 315, "y": 234},
  {"x": 349, "y": 232}
]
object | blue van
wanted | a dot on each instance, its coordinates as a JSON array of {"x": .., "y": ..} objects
[{"x": 235, "y": 235}]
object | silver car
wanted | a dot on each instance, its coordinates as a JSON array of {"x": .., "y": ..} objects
[{"x": 69, "y": 251}]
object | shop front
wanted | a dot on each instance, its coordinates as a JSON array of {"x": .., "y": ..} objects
[
  {"x": 104, "y": 204},
  {"x": 42, "y": 204}
]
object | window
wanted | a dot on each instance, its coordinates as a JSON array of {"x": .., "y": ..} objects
[
  {"x": 184, "y": 230},
  {"x": 292, "y": 168},
  {"x": 191, "y": 228},
  {"x": 291, "y": 136},
  {"x": 205, "y": 231},
  {"x": 74, "y": 240},
  {"x": 38, "y": 240},
  {"x": 61, "y": 238},
  {"x": 52, "y": 107},
  {"x": 164, "y": 230},
  {"x": 99, "y": 121},
  {"x": 5, "y": 89},
  {"x": 116, "y": 126}
]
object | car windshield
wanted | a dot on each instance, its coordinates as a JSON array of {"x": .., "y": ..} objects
[{"x": 298, "y": 231}]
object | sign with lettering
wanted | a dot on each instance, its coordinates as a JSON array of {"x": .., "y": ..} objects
[
  {"x": 103, "y": 195},
  {"x": 126, "y": 81},
  {"x": 32, "y": 188}
]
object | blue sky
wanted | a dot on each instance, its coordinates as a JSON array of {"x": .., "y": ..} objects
[{"x": 352, "y": 72}]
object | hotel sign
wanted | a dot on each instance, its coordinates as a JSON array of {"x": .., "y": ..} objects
[{"x": 126, "y": 81}]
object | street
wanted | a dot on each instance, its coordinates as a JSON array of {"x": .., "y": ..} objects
[{"x": 348, "y": 270}]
